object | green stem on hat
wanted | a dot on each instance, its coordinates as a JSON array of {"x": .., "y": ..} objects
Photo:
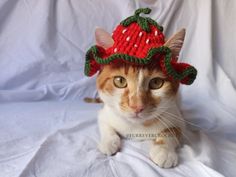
[
  {"x": 143, "y": 22},
  {"x": 142, "y": 10}
]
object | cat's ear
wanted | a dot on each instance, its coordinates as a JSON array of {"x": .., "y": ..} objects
[
  {"x": 175, "y": 42},
  {"x": 103, "y": 38}
]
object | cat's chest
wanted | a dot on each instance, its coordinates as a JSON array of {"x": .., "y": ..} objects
[
  {"x": 142, "y": 131},
  {"x": 139, "y": 131}
]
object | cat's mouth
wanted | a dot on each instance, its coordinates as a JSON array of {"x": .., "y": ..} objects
[
  {"x": 140, "y": 117},
  {"x": 136, "y": 116}
]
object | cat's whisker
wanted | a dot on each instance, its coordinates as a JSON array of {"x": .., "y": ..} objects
[
  {"x": 172, "y": 133},
  {"x": 167, "y": 106},
  {"x": 173, "y": 116},
  {"x": 187, "y": 122},
  {"x": 163, "y": 119},
  {"x": 181, "y": 131},
  {"x": 151, "y": 111}
]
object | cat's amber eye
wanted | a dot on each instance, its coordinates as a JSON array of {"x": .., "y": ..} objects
[
  {"x": 156, "y": 83},
  {"x": 120, "y": 82}
]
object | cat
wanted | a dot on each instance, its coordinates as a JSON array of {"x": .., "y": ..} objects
[{"x": 140, "y": 104}]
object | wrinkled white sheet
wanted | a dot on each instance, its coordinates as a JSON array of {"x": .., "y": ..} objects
[{"x": 45, "y": 128}]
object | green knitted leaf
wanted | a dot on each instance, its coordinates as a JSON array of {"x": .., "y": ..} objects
[
  {"x": 154, "y": 23},
  {"x": 143, "y": 23},
  {"x": 128, "y": 21}
]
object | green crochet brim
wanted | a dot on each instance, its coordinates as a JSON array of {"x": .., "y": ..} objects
[{"x": 93, "y": 54}]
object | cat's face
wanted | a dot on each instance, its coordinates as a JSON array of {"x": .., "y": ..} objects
[{"x": 136, "y": 94}]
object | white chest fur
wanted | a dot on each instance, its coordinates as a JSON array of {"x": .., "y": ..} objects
[{"x": 127, "y": 129}]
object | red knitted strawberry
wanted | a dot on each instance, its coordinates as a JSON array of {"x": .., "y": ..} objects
[{"x": 139, "y": 41}]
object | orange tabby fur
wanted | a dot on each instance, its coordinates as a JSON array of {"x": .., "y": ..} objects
[
  {"x": 137, "y": 108},
  {"x": 130, "y": 98}
]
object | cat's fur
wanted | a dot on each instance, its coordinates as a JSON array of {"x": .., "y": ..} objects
[{"x": 138, "y": 112}]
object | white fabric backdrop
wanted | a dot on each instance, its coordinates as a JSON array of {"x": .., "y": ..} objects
[{"x": 45, "y": 128}]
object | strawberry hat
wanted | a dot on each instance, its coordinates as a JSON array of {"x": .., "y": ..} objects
[{"x": 139, "y": 41}]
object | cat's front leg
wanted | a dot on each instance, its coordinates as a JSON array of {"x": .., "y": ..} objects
[
  {"x": 163, "y": 149},
  {"x": 110, "y": 141}
]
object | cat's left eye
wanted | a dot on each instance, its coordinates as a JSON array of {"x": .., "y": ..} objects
[
  {"x": 156, "y": 83},
  {"x": 120, "y": 82}
]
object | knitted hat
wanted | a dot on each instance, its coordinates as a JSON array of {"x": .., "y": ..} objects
[{"x": 139, "y": 41}]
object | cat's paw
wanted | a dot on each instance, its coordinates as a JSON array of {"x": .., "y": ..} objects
[
  {"x": 164, "y": 157},
  {"x": 110, "y": 146}
]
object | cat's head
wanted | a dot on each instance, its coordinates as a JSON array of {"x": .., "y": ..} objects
[{"x": 137, "y": 93}]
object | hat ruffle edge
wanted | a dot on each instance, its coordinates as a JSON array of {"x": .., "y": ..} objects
[{"x": 182, "y": 72}]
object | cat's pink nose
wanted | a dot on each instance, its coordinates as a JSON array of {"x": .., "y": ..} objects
[{"x": 137, "y": 109}]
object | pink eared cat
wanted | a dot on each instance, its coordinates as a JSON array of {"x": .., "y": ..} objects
[{"x": 139, "y": 100}]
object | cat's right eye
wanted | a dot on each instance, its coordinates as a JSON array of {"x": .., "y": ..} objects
[
  {"x": 120, "y": 82},
  {"x": 156, "y": 83}
]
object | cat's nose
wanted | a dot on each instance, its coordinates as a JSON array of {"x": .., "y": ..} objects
[{"x": 137, "y": 109}]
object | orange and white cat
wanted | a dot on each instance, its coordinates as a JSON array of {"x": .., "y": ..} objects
[{"x": 140, "y": 104}]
